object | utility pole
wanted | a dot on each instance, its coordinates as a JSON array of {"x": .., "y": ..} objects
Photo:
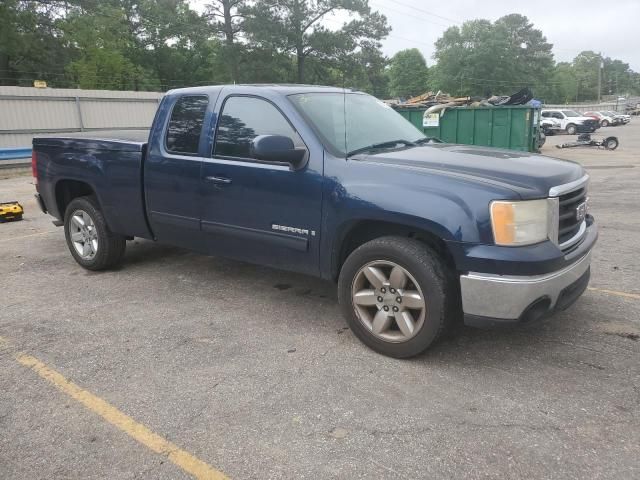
[{"x": 599, "y": 76}]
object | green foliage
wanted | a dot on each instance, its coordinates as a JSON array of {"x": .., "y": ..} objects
[
  {"x": 31, "y": 43},
  {"x": 163, "y": 44},
  {"x": 296, "y": 28},
  {"x": 408, "y": 73},
  {"x": 481, "y": 57}
]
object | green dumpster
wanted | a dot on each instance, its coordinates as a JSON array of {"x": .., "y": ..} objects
[{"x": 512, "y": 127}]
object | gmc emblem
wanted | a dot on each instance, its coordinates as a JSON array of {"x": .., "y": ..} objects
[{"x": 581, "y": 211}]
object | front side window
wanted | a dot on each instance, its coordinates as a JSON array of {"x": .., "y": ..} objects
[
  {"x": 351, "y": 121},
  {"x": 570, "y": 113},
  {"x": 185, "y": 124},
  {"x": 243, "y": 119}
]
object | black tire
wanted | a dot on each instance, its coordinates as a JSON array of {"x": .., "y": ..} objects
[
  {"x": 604, "y": 123},
  {"x": 571, "y": 129},
  {"x": 433, "y": 277},
  {"x": 611, "y": 143},
  {"x": 111, "y": 246}
]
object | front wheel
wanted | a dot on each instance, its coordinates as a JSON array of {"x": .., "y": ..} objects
[
  {"x": 88, "y": 237},
  {"x": 604, "y": 123},
  {"x": 397, "y": 295},
  {"x": 571, "y": 129}
]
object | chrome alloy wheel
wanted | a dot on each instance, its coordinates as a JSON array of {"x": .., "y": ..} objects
[
  {"x": 388, "y": 301},
  {"x": 84, "y": 235}
]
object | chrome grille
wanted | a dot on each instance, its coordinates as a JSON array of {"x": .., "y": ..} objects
[{"x": 571, "y": 226}]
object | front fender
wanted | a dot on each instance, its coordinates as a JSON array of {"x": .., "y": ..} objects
[{"x": 443, "y": 213}]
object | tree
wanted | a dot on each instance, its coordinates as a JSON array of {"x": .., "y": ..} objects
[
  {"x": 408, "y": 73},
  {"x": 564, "y": 85},
  {"x": 228, "y": 16},
  {"x": 586, "y": 66},
  {"x": 481, "y": 57},
  {"x": 618, "y": 78},
  {"x": 31, "y": 43},
  {"x": 296, "y": 27}
]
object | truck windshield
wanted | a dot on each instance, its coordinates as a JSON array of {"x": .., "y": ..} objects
[{"x": 354, "y": 121}]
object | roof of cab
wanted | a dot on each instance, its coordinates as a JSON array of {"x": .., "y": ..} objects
[{"x": 281, "y": 88}]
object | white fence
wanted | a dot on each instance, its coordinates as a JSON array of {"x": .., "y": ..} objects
[
  {"x": 613, "y": 106},
  {"x": 26, "y": 112}
]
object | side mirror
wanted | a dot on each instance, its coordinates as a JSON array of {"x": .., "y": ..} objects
[{"x": 277, "y": 148}]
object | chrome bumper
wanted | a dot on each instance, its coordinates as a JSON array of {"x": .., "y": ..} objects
[{"x": 507, "y": 297}]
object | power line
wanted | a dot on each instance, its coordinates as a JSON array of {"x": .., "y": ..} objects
[
  {"x": 336, "y": 22},
  {"x": 384, "y": 7},
  {"x": 425, "y": 11}
]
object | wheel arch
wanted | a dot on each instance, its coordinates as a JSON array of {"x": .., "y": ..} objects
[
  {"x": 359, "y": 232},
  {"x": 67, "y": 190}
]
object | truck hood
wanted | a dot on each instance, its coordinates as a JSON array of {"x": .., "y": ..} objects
[{"x": 529, "y": 175}]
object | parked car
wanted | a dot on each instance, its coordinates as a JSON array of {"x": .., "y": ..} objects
[
  {"x": 631, "y": 109},
  {"x": 550, "y": 126},
  {"x": 333, "y": 183},
  {"x": 621, "y": 117},
  {"x": 604, "y": 118},
  {"x": 572, "y": 122}
]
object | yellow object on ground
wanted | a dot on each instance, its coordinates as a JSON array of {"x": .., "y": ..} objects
[{"x": 10, "y": 211}]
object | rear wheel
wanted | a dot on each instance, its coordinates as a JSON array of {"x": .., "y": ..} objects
[
  {"x": 89, "y": 239},
  {"x": 611, "y": 143},
  {"x": 397, "y": 295},
  {"x": 571, "y": 129},
  {"x": 604, "y": 123}
]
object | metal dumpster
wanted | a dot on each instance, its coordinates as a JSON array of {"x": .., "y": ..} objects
[{"x": 512, "y": 127}]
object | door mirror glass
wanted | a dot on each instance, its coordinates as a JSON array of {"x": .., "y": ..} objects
[{"x": 277, "y": 148}]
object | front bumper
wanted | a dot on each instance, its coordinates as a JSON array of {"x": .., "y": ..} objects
[{"x": 491, "y": 300}]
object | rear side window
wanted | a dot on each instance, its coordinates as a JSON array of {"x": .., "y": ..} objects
[
  {"x": 185, "y": 124},
  {"x": 243, "y": 119}
]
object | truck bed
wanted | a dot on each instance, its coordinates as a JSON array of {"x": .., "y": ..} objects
[
  {"x": 110, "y": 163},
  {"x": 122, "y": 135}
]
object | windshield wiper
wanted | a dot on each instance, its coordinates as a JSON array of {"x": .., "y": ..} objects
[
  {"x": 375, "y": 146},
  {"x": 427, "y": 140}
]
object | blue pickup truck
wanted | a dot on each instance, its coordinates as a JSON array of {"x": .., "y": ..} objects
[{"x": 333, "y": 183}]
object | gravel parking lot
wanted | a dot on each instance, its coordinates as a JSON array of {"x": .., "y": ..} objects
[{"x": 251, "y": 371}]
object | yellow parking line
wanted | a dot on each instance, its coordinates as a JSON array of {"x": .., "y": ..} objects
[
  {"x": 128, "y": 425},
  {"x": 635, "y": 296}
]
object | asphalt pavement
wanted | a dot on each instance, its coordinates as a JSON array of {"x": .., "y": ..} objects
[{"x": 178, "y": 365}]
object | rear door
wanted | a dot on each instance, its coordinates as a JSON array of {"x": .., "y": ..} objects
[
  {"x": 172, "y": 172},
  {"x": 258, "y": 211}
]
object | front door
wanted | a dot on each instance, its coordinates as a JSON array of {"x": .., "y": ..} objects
[{"x": 262, "y": 212}]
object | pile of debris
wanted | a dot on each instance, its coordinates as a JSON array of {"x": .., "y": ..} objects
[{"x": 437, "y": 102}]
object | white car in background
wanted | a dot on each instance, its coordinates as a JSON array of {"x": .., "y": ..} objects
[
  {"x": 606, "y": 119},
  {"x": 624, "y": 118},
  {"x": 572, "y": 122}
]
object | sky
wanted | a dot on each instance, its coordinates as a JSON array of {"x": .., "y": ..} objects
[{"x": 612, "y": 28}]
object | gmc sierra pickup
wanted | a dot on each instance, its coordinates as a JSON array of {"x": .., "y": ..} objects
[{"x": 333, "y": 183}]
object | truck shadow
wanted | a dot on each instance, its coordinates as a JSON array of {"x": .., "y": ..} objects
[{"x": 305, "y": 295}]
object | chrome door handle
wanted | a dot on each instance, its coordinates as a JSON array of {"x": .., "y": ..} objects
[{"x": 218, "y": 180}]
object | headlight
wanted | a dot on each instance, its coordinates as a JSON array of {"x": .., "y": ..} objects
[{"x": 524, "y": 222}]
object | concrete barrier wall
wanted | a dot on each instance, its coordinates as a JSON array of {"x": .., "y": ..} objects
[
  {"x": 26, "y": 112},
  {"x": 595, "y": 107}
]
